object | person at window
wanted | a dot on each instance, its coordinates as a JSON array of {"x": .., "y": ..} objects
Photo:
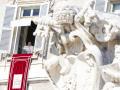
[{"x": 28, "y": 48}]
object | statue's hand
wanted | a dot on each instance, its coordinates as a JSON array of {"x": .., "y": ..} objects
[
  {"x": 79, "y": 18},
  {"x": 51, "y": 63},
  {"x": 41, "y": 30},
  {"x": 45, "y": 21},
  {"x": 38, "y": 33},
  {"x": 34, "y": 33}
]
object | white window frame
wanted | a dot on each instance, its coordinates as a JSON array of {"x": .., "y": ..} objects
[
  {"x": 11, "y": 28},
  {"x": 14, "y": 17},
  {"x": 2, "y": 14},
  {"x": 24, "y": 17},
  {"x": 109, "y": 5},
  {"x": 31, "y": 10},
  {"x": 47, "y": 7},
  {"x": 33, "y": 6},
  {"x": 112, "y": 8}
]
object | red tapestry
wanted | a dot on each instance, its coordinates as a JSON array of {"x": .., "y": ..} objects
[{"x": 19, "y": 71}]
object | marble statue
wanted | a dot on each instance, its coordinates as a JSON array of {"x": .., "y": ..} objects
[
  {"x": 73, "y": 38},
  {"x": 111, "y": 73}
]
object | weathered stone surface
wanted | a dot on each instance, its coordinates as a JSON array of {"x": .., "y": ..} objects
[{"x": 81, "y": 38}]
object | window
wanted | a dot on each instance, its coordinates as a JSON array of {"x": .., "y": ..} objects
[
  {"x": 25, "y": 34},
  {"x": 31, "y": 11},
  {"x": 36, "y": 12},
  {"x": 26, "y": 12},
  {"x": 40, "y": 10},
  {"x": 112, "y": 6},
  {"x": 116, "y": 8},
  {"x": 8, "y": 14}
]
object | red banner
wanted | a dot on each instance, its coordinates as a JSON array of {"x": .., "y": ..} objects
[{"x": 19, "y": 71}]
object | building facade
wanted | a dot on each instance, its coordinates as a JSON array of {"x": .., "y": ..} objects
[
  {"x": 17, "y": 37},
  {"x": 17, "y": 28}
]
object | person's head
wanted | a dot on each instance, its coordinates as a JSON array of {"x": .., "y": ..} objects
[{"x": 29, "y": 43}]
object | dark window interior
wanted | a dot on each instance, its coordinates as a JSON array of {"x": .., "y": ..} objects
[
  {"x": 36, "y": 12},
  {"x": 26, "y": 36},
  {"x": 27, "y": 12},
  {"x": 30, "y": 37}
]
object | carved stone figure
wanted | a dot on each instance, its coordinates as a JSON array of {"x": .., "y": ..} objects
[
  {"x": 76, "y": 36},
  {"x": 107, "y": 26},
  {"x": 111, "y": 73}
]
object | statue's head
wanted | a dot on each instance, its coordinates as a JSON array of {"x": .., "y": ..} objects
[
  {"x": 101, "y": 30},
  {"x": 89, "y": 18},
  {"x": 65, "y": 15}
]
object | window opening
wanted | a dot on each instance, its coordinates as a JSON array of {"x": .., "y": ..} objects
[
  {"x": 116, "y": 8},
  {"x": 30, "y": 11},
  {"x": 26, "y": 36},
  {"x": 27, "y": 12},
  {"x": 39, "y": 10},
  {"x": 36, "y": 12}
]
